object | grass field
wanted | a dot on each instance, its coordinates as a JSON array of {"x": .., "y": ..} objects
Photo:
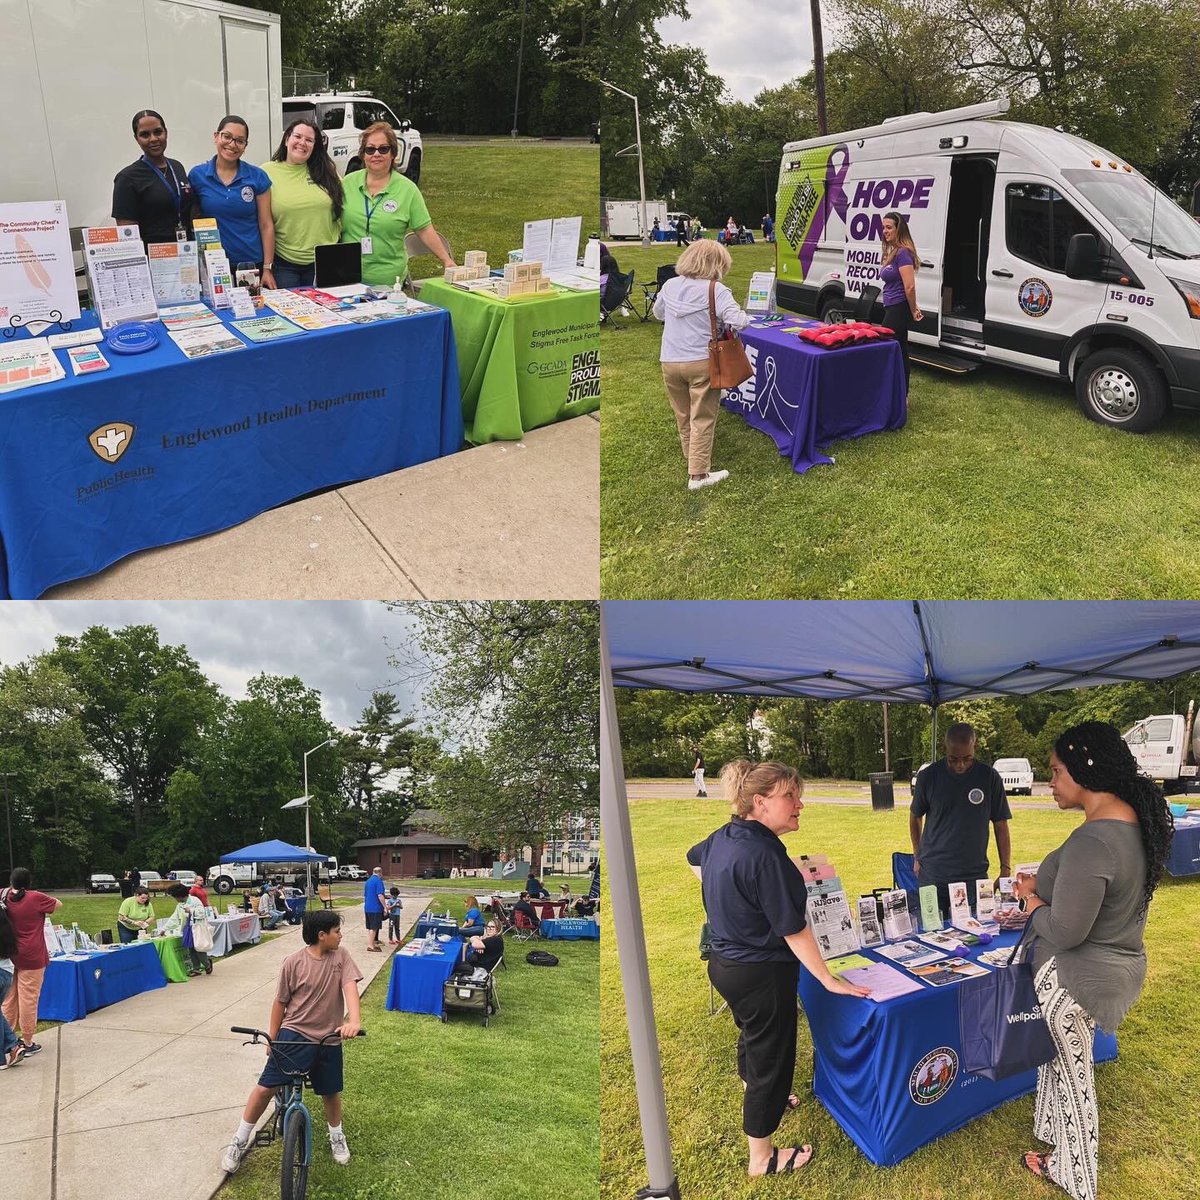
[
  {"x": 480, "y": 195},
  {"x": 1148, "y": 1097},
  {"x": 997, "y": 487}
]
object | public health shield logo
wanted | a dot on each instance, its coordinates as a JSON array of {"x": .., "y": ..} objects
[
  {"x": 932, "y": 1076},
  {"x": 111, "y": 440}
]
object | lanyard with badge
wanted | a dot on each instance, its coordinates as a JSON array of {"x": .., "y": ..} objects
[
  {"x": 176, "y": 194},
  {"x": 367, "y": 242}
]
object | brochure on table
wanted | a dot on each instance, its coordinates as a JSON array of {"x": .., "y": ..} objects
[
  {"x": 884, "y": 982},
  {"x": 555, "y": 244},
  {"x": 910, "y": 953},
  {"x": 119, "y": 275},
  {"x": 26, "y": 363},
  {"x": 868, "y": 921},
  {"x": 761, "y": 296},
  {"x": 960, "y": 906},
  {"x": 175, "y": 272},
  {"x": 897, "y": 921},
  {"x": 832, "y": 925},
  {"x": 37, "y": 270},
  {"x": 931, "y": 915}
]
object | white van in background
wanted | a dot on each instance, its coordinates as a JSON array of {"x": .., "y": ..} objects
[
  {"x": 1038, "y": 250},
  {"x": 1016, "y": 774}
]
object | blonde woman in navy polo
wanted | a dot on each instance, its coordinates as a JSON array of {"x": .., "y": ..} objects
[
  {"x": 755, "y": 899},
  {"x": 235, "y": 193}
]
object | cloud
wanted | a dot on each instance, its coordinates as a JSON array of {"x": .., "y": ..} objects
[{"x": 340, "y": 648}]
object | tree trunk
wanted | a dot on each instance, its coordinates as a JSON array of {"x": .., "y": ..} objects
[{"x": 819, "y": 67}]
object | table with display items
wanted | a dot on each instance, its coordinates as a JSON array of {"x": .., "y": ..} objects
[
  {"x": 78, "y": 984},
  {"x": 159, "y": 448},
  {"x": 804, "y": 397},
  {"x": 1184, "y": 858},
  {"x": 522, "y": 363},
  {"x": 436, "y": 925},
  {"x": 571, "y": 928},
  {"x": 416, "y": 981},
  {"x": 234, "y": 929},
  {"x": 889, "y": 1073}
]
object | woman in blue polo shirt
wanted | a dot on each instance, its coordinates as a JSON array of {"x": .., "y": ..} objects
[
  {"x": 756, "y": 899},
  {"x": 235, "y": 193}
]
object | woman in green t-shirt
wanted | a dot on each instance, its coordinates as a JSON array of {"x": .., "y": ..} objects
[
  {"x": 382, "y": 206},
  {"x": 306, "y": 202},
  {"x": 135, "y": 914}
]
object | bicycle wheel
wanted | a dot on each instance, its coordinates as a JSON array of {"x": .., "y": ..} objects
[{"x": 294, "y": 1169}]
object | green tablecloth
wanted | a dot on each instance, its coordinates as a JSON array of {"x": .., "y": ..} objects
[
  {"x": 170, "y": 954},
  {"x": 522, "y": 364}
]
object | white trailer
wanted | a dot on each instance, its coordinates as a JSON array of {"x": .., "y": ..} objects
[
  {"x": 73, "y": 73},
  {"x": 623, "y": 218}
]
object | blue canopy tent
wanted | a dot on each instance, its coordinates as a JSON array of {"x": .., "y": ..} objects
[
  {"x": 273, "y": 851},
  {"x": 903, "y": 651}
]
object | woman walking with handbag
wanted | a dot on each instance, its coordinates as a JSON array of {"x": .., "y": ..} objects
[
  {"x": 1087, "y": 906},
  {"x": 690, "y": 306},
  {"x": 755, "y": 898},
  {"x": 193, "y": 923}
]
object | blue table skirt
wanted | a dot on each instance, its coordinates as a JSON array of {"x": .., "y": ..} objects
[
  {"x": 571, "y": 929},
  {"x": 71, "y": 990},
  {"x": 869, "y": 1056},
  {"x": 1184, "y": 858},
  {"x": 804, "y": 396},
  {"x": 211, "y": 442},
  {"x": 423, "y": 927},
  {"x": 416, "y": 982}
]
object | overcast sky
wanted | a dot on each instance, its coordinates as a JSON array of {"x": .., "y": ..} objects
[
  {"x": 750, "y": 44},
  {"x": 338, "y": 647}
]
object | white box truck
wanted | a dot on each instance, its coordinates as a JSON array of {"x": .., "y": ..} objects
[
  {"x": 623, "y": 218},
  {"x": 73, "y": 73},
  {"x": 1038, "y": 250}
]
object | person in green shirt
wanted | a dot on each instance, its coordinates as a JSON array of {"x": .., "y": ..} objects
[
  {"x": 135, "y": 914},
  {"x": 306, "y": 202},
  {"x": 382, "y": 206}
]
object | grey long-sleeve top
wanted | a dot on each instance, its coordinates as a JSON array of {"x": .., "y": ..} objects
[{"x": 1093, "y": 886}]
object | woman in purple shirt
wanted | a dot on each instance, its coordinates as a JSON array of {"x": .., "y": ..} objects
[{"x": 899, "y": 275}]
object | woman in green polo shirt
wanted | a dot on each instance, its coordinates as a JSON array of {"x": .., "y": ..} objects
[
  {"x": 135, "y": 914},
  {"x": 306, "y": 202},
  {"x": 382, "y": 206}
]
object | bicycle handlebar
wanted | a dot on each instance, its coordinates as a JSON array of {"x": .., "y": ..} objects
[{"x": 255, "y": 1034}]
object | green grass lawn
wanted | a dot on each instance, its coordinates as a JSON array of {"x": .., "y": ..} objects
[
  {"x": 997, "y": 487},
  {"x": 446, "y": 1111},
  {"x": 479, "y": 196},
  {"x": 1148, "y": 1098}
]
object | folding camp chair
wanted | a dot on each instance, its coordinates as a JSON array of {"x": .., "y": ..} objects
[
  {"x": 615, "y": 297},
  {"x": 522, "y": 928},
  {"x": 902, "y": 872},
  {"x": 650, "y": 290},
  {"x": 705, "y": 951},
  {"x": 414, "y": 247}
]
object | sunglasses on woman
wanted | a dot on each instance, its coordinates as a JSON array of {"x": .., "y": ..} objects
[{"x": 377, "y": 149}]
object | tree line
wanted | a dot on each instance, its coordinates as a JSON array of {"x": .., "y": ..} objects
[
  {"x": 1119, "y": 73},
  {"x": 843, "y": 739}
]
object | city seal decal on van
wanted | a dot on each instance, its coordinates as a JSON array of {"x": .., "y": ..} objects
[
  {"x": 1035, "y": 297},
  {"x": 932, "y": 1076}
]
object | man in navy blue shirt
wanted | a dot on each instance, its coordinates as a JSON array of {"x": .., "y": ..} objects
[{"x": 373, "y": 906}]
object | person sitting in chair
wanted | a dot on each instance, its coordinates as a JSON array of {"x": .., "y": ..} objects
[
  {"x": 473, "y": 921},
  {"x": 268, "y": 914},
  {"x": 534, "y": 887},
  {"x": 523, "y": 906},
  {"x": 488, "y": 950}
]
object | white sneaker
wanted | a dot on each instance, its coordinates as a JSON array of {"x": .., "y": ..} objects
[
  {"x": 338, "y": 1148},
  {"x": 707, "y": 480},
  {"x": 233, "y": 1156}
]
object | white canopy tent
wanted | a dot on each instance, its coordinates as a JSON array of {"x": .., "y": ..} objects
[{"x": 903, "y": 651}]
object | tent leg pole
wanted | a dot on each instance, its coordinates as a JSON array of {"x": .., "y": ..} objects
[
  {"x": 631, "y": 943},
  {"x": 933, "y": 754}
]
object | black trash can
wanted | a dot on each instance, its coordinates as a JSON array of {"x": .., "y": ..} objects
[{"x": 883, "y": 795}]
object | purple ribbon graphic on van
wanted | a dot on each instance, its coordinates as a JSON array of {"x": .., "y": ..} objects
[{"x": 817, "y": 173}]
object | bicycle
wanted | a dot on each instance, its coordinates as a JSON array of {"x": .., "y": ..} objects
[{"x": 291, "y": 1119}]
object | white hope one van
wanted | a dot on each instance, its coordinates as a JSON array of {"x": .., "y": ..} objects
[{"x": 1038, "y": 250}]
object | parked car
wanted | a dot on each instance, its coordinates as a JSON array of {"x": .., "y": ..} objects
[
  {"x": 154, "y": 881},
  {"x": 351, "y": 872},
  {"x": 185, "y": 877},
  {"x": 342, "y": 117},
  {"x": 917, "y": 772},
  {"x": 103, "y": 883},
  {"x": 1017, "y": 774}
]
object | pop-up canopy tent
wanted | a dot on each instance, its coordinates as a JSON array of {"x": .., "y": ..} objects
[
  {"x": 926, "y": 652},
  {"x": 273, "y": 851}
]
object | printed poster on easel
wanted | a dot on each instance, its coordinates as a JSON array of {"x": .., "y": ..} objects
[{"x": 37, "y": 271}]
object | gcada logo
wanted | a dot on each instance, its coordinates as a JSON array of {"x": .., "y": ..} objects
[
  {"x": 110, "y": 440},
  {"x": 932, "y": 1076}
]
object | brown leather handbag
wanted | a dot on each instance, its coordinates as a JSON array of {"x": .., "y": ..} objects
[{"x": 728, "y": 364}]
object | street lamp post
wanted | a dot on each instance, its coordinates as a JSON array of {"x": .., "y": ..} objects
[
  {"x": 637, "y": 126},
  {"x": 6, "y": 776},
  {"x": 307, "y": 798},
  {"x": 520, "y": 55}
]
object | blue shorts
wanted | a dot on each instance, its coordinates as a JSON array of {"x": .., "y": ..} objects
[
  {"x": 323, "y": 1063},
  {"x": 375, "y": 920}
]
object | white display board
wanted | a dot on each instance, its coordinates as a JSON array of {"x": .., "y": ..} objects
[{"x": 37, "y": 272}]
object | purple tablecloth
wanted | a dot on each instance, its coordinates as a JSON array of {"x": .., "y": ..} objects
[{"x": 806, "y": 396}]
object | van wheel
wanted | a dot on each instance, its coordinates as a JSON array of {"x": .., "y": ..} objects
[
  {"x": 223, "y": 885},
  {"x": 1121, "y": 388},
  {"x": 413, "y": 170},
  {"x": 835, "y": 310}
]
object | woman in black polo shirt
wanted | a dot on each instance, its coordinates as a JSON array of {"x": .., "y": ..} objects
[
  {"x": 153, "y": 193},
  {"x": 755, "y": 899}
]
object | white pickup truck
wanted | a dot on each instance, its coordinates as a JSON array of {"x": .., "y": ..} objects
[
  {"x": 1017, "y": 774},
  {"x": 1165, "y": 748}
]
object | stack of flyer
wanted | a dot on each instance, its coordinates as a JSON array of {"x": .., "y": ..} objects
[
  {"x": 832, "y": 925},
  {"x": 216, "y": 278},
  {"x": 26, "y": 363}
]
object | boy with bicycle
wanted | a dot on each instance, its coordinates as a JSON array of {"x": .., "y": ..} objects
[{"x": 316, "y": 985}]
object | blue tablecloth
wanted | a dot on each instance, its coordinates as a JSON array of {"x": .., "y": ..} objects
[
  {"x": 438, "y": 926},
  {"x": 416, "y": 982},
  {"x": 571, "y": 929},
  {"x": 205, "y": 444},
  {"x": 71, "y": 990},
  {"x": 806, "y": 396},
  {"x": 1184, "y": 858},
  {"x": 870, "y": 1057}
]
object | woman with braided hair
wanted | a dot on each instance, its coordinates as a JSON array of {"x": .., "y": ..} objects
[{"x": 1087, "y": 906}]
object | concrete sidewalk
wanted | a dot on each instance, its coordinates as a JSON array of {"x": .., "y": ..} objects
[
  {"x": 143, "y": 1096},
  {"x": 510, "y": 520}
]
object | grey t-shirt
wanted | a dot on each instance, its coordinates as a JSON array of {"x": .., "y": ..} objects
[
  {"x": 959, "y": 810},
  {"x": 1093, "y": 884}
]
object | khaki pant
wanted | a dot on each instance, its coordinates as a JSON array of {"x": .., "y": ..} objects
[
  {"x": 21, "y": 1003},
  {"x": 695, "y": 404}
]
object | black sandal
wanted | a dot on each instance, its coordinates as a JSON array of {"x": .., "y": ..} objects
[
  {"x": 793, "y": 1103},
  {"x": 774, "y": 1167}
]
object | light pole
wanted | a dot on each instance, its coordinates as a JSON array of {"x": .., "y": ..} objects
[
  {"x": 637, "y": 127},
  {"x": 6, "y": 776},
  {"x": 306, "y": 798},
  {"x": 520, "y": 55}
]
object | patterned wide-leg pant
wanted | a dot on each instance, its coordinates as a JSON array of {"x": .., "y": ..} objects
[{"x": 1065, "y": 1114}]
